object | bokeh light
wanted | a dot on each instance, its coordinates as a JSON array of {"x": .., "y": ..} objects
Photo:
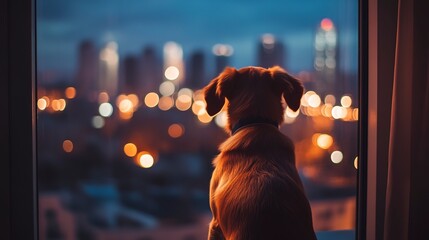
[
  {"x": 67, "y": 146},
  {"x": 70, "y": 92},
  {"x": 167, "y": 88},
  {"x": 221, "y": 119},
  {"x": 97, "y": 122},
  {"x": 130, "y": 149},
  {"x": 171, "y": 73},
  {"x": 151, "y": 99},
  {"x": 176, "y": 130},
  {"x": 326, "y": 24},
  {"x": 103, "y": 97},
  {"x": 183, "y": 102},
  {"x": 165, "y": 103},
  {"x": 336, "y": 157},
  {"x": 355, "y": 162},
  {"x": 346, "y": 101},
  {"x": 42, "y": 104},
  {"x": 324, "y": 141},
  {"x": 105, "y": 109},
  {"x": 145, "y": 159},
  {"x": 330, "y": 99},
  {"x": 125, "y": 105}
]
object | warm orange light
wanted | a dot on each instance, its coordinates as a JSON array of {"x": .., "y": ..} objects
[
  {"x": 134, "y": 99},
  {"x": 355, "y": 162},
  {"x": 314, "y": 100},
  {"x": 42, "y": 104},
  {"x": 165, "y": 103},
  {"x": 326, "y": 24},
  {"x": 125, "y": 105},
  {"x": 183, "y": 102},
  {"x": 176, "y": 130},
  {"x": 356, "y": 114},
  {"x": 56, "y": 105},
  {"x": 126, "y": 115},
  {"x": 67, "y": 146},
  {"x": 151, "y": 99},
  {"x": 324, "y": 141},
  {"x": 330, "y": 99},
  {"x": 198, "y": 106},
  {"x": 103, "y": 97},
  {"x": 70, "y": 92},
  {"x": 167, "y": 88},
  {"x": 62, "y": 104},
  {"x": 204, "y": 117},
  {"x": 346, "y": 101},
  {"x": 145, "y": 159},
  {"x": 130, "y": 149}
]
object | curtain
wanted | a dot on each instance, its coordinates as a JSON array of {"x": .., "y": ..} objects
[{"x": 407, "y": 192}]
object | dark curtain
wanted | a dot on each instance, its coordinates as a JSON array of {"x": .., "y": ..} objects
[{"x": 407, "y": 189}]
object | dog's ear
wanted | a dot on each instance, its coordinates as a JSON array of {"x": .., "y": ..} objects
[
  {"x": 218, "y": 89},
  {"x": 291, "y": 87}
]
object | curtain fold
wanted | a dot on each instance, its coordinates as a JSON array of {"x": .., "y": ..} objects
[{"x": 407, "y": 192}]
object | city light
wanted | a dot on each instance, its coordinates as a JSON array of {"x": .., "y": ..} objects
[
  {"x": 130, "y": 149},
  {"x": 172, "y": 73},
  {"x": 330, "y": 99},
  {"x": 97, "y": 122},
  {"x": 326, "y": 24},
  {"x": 268, "y": 41},
  {"x": 165, "y": 103},
  {"x": 103, "y": 97},
  {"x": 204, "y": 117},
  {"x": 167, "y": 88},
  {"x": 145, "y": 159},
  {"x": 346, "y": 101},
  {"x": 176, "y": 130},
  {"x": 222, "y": 50},
  {"x": 314, "y": 100},
  {"x": 339, "y": 112},
  {"x": 151, "y": 99},
  {"x": 105, "y": 109},
  {"x": 125, "y": 105},
  {"x": 336, "y": 157},
  {"x": 70, "y": 92},
  {"x": 355, "y": 162},
  {"x": 42, "y": 104},
  {"x": 221, "y": 119},
  {"x": 183, "y": 102},
  {"x": 67, "y": 146},
  {"x": 198, "y": 107},
  {"x": 324, "y": 141}
]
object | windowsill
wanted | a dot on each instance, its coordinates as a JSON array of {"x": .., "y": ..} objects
[{"x": 336, "y": 235}]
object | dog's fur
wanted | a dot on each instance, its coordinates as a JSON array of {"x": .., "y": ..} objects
[{"x": 255, "y": 189}]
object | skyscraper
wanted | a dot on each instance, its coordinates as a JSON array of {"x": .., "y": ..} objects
[
  {"x": 270, "y": 52},
  {"x": 108, "y": 74},
  {"x": 131, "y": 75},
  {"x": 150, "y": 70},
  {"x": 87, "y": 72},
  {"x": 223, "y": 53},
  {"x": 326, "y": 54},
  {"x": 196, "y": 70}
]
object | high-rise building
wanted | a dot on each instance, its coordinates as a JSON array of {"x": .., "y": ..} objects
[
  {"x": 150, "y": 70},
  {"x": 87, "y": 70},
  {"x": 223, "y": 53},
  {"x": 109, "y": 64},
  {"x": 196, "y": 70},
  {"x": 131, "y": 75},
  {"x": 326, "y": 55},
  {"x": 174, "y": 66},
  {"x": 270, "y": 52}
]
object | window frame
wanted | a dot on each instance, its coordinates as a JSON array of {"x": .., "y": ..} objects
[{"x": 18, "y": 143}]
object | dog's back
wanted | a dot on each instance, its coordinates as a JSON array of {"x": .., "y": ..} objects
[{"x": 257, "y": 192}]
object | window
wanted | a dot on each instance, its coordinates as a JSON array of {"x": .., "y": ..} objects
[{"x": 123, "y": 146}]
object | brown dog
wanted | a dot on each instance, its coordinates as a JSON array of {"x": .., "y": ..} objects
[{"x": 255, "y": 189}]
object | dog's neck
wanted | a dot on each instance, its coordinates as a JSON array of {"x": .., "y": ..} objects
[{"x": 249, "y": 121}]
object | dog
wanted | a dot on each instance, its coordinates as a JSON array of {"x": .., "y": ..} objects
[{"x": 255, "y": 190}]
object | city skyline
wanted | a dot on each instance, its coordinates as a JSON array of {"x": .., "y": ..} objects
[{"x": 197, "y": 27}]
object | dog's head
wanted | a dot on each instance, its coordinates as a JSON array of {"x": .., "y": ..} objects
[{"x": 253, "y": 92}]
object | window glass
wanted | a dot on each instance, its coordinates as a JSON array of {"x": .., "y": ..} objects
[{"x": 124, "y": 143}]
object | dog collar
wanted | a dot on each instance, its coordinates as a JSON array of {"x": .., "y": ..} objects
[{"x": 244, "y": 122}]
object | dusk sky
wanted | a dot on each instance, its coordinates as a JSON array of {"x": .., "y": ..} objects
[{"x": 196, "y": 25}]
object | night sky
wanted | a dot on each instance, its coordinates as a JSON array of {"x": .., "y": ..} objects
[{"x": 196, "y": 25}]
